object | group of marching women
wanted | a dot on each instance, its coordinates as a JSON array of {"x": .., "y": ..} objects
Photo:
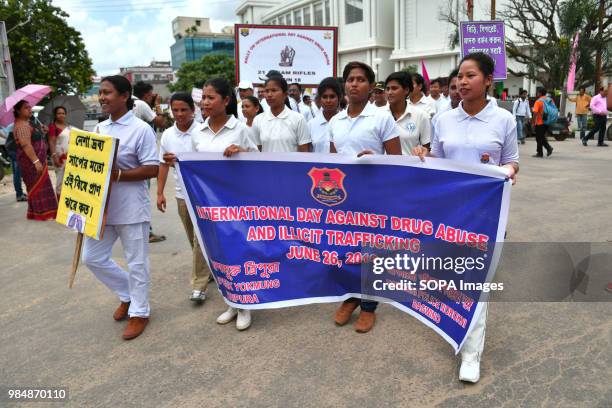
[{"x": 472, "y": 124}]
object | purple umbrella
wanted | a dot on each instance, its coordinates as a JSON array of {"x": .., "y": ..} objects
[{"x": 31, "y": 93}]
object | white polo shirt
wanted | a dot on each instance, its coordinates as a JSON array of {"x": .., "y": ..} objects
[
  {"x": 142, "y": 110},
  {"x": 488, "y": 137},
  {"x": 282, "y": 133},
  {"x": 175, "y": 141},
  {"x": 294, "y": 105},
  {"x": 307, "y": 111},
  {"x": 441, "y": 103},
  {"x": 129, "y": 201},
  {"x": 233, "y": 132},
  {"x": 367, "y": 131},
  {"x": 318, "y": 132},
  {"x": 414, "y": 127},
  {"x": 426, "y": 104}
]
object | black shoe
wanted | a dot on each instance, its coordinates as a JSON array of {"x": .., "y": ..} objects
[
  {"x": 602, "y": 145},
  {"x": 523, "y": 141},
  {"x": 549, "y": 152},
  {"x": 538, "y": 155},
  {"x": 584, "y": 142},
  {"x": 22, "y": 198}
]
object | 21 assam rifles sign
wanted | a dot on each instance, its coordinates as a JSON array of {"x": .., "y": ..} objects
[{"x": 86, "y": 185}]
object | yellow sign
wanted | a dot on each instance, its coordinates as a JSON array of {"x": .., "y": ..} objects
[{"x": 86, "y": 184}]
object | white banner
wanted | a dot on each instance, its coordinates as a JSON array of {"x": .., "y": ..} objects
[{"x": 305, "y": 55}]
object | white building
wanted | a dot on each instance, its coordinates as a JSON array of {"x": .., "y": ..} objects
[{"x": 387, "y": 34}]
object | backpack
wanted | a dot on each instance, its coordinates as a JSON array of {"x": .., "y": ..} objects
[{"x": 551, "y": 113}]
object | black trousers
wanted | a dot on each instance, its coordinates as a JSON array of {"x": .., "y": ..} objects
[
  {"x": 540, "y": 131},
  {"x": 599, "y": 126}
]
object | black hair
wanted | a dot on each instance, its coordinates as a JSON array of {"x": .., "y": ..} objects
[
  {"x": 402, "y": 78},
  {"x": 330, "y": 83},
  {"x": 282, "y": 82},
  {"x": 298, "y": 85},
  {"x": 122, "y": 86},
  {"x": 419, "y": 80},
  {"x": 141, "y": 88},
  {"x": 306, "y": 96},
  {"x": 601, "y": 88},
  {"x": 272, "y": 73},
  {"x": 56, "y": 109},
  {"x": 541, "y": 91},
  {"x": 183, "y": 97},
  {"x": 255, "y": 102},
  {"x": 18, "y": 107},
  {"x": 485, "y": 63},
  {"x": 522, "y": 91},
  {"x": 361, "y": 65},
  {"x": 582, "y": 88},
  {"x": 223, "y": 88},
  {"x": 436, "y": 81},
  {"x": 453, "y": 74}
]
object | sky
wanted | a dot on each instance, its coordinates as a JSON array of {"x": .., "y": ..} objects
[{"x": 123, "y": 33}]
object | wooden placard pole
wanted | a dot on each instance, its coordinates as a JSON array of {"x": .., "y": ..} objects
[{"x": 76, "y": 258}]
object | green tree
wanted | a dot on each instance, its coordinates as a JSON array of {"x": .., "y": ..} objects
[
  {"x": 45, "y": 49},
  {"x": 545, "y": 30},
  {"x": 411, "y": 69},
  {"x": 194, "y": 74}
]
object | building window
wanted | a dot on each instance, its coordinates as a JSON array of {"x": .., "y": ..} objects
[
  {"x": 138, "y": 77},
  {"x": 353, "y": 11},
  {"x": 318, "y": 14},
  {"x": 297, "y": 17},
  {"x": 306, "y": 15},
  {"x": 288, "y": 19},
  {"x": 327, "y": 13},
  {"x": 198, "y": 23}
]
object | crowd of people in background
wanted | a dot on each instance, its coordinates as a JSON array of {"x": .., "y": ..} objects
[{"x": 453, "y": 117}]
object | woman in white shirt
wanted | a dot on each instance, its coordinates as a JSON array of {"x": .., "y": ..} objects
[
  {"x": 329, "y": 93},
  {"x": 222, "y": 132},
  {"x": 413, "y": 123},
  {"x": 361, "y": 129},
  {"x": 280, "y": 129},
  {"x": 179, "y": 139},
  {"x": 250, "y": 108},
  {"x": 418, "y": 98},
  {"x": 477, "y": 131},
  {"x": 128, "y": 213}
]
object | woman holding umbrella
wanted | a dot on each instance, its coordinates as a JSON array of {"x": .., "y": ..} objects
[
  {"x": 59, "y": 135},
  {"x": 32, "y": 159}
]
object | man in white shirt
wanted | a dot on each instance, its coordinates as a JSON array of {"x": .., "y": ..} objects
[
  {"x": 418, "y": 98},
  {"x": 380, "y": 97},
  {"x": 143, "y": 99},
  {"x": 435, "y": 88},
  {"x": 245, "y": 88},
  {"x": 306, "y": 107},
  {"x": 295, "y": 95},
  {"x": 521, "y": 111},
  {"x": 261, "y": 95}
]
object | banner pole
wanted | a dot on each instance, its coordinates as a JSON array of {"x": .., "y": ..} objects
[{"x": 76, "y": 258}]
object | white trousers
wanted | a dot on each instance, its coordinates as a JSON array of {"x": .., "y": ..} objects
[
  {"x": 130, "y": 287},
  {"x": 474, "y": 343}
]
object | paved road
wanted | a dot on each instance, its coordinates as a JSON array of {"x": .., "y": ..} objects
[{"x": 537, "y": 354}]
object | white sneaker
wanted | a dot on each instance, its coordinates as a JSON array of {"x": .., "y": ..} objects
[
  {"x": 198, "y": 296},
  {"x": 227, "y": 316},
  {"x": 244, "y": 319},
  {"x": 469, "y": 371}
]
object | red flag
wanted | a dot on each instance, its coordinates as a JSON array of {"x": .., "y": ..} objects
[
  {"x": 424, "y": 73},
  {"x": 571, "y": 76}
]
